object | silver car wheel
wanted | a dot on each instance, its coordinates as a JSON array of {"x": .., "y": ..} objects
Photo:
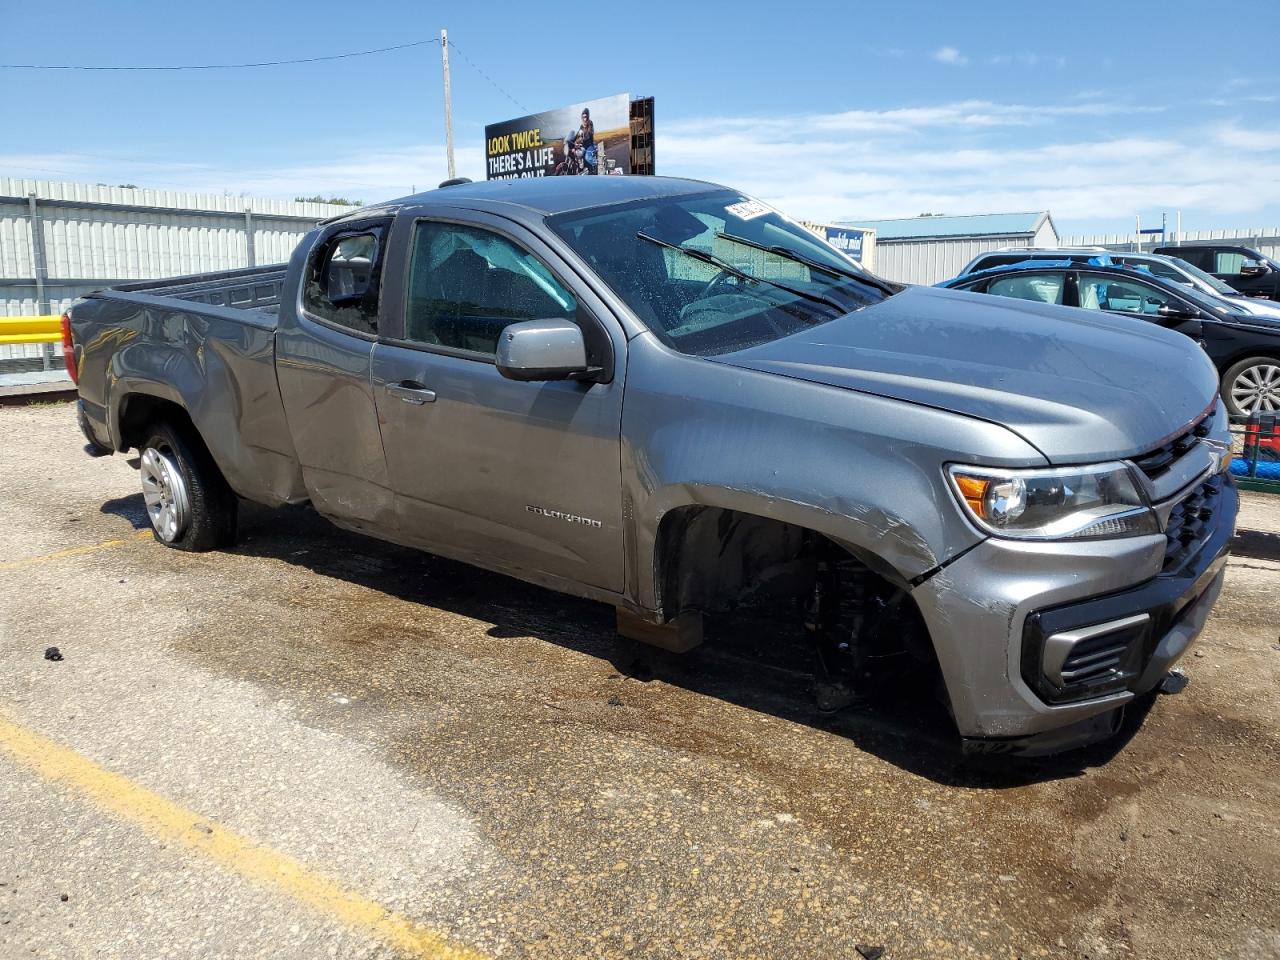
[
  {"x": 165, "y": 493},
  {"x": 1256, "y": 389}
]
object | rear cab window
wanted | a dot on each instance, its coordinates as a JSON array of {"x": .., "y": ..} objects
[
  {"x": 1197, "y": 257},
  {"x": 343, "y": 279}
]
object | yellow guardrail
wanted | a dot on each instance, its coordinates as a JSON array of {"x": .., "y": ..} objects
[{"x": 14, "y": 330}]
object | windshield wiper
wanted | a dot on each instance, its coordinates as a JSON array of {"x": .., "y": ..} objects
[
  {"x": 730, "y": 269},
  {"x": 788, "y": 254}
]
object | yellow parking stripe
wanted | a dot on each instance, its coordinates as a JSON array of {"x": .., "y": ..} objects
[
  {"x": 169, "y": 821},
  {"x": 76, "y": 551}
]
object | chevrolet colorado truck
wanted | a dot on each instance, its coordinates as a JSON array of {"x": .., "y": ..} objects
[{"x": 666, "y": 396}]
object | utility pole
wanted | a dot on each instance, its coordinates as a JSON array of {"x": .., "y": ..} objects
[{"x": 448, "y": 101}]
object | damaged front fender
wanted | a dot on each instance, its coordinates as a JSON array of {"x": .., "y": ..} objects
[{"x": 863, "y": 470}]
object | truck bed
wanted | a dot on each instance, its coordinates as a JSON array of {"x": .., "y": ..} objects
[
  {"x": 205, "y": 343},
  {"x": 252, "y": 288}
]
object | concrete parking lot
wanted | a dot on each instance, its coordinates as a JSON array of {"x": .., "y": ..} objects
[{"x": 317, "y": 745}]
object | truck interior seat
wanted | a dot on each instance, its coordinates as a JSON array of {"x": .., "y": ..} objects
[{"x": 348, "y": 278}]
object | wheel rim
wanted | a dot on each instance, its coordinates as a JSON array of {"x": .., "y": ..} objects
[
  {"x": 165, "y": 493},
  {"x": 1256, "y": 389}
]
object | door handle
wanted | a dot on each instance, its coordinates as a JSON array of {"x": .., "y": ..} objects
[{"x": 410, "y": 391}]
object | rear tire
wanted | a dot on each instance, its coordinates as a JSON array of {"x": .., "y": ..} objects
[
  {"x": 1252, "y": 386},
  {"x": 190, "y": 505}
]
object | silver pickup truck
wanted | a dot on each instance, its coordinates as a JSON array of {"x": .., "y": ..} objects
[{"x": 666, "y": 396}]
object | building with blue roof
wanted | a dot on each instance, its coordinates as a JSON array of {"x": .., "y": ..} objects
[{"x": 929, "y": 248}]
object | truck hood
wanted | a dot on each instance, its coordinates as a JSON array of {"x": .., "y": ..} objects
[{"x": 1080, "y": 386}]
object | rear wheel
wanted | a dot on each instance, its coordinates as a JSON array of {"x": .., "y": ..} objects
[
  {"x": 1252, "y": 386},
  {"x": 188, "y": 501}
]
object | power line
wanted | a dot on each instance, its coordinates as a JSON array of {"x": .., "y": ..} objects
[
  {"x": 473, "y": 66},
  {"x": 231, "y": 66},
  {"x": 268, "y": 63}
]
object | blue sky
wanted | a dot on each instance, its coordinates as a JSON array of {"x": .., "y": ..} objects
[{"x": 1094, "y": 110}]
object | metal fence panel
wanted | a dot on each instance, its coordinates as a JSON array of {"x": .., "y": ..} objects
[
  {"x": 1266, "y": 240},
  {"x": 930, "y": 260},
  {"x": 93, "y": 235}
]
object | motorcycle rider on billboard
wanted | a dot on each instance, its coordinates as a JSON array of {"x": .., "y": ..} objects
[
  {"x": 587, "y": 140},
  {"x": 573, "y": 163}
]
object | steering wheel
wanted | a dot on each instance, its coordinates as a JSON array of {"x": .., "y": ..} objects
[{"x": 715, "y": 283}]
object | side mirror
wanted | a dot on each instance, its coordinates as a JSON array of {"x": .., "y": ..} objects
[
  {"x": 542, "y": 350},
  {"x": 1167, "y": 312},
  {"x": 1253, "y": 268}
]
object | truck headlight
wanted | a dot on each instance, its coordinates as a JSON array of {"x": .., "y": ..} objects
[{"x": 1066, "y": 503}]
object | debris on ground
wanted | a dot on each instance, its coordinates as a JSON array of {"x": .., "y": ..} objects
[
  {"x": 52, "y": 653},
  {"x": 1175, "y": 682},
  {"x": 870, "y": 953}
]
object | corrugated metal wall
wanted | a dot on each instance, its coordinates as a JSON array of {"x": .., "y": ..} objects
[
  {"x": 1265, "y": 240},
  {"x": 96, "y": 235},
  {"x": 933, "y": 259}
]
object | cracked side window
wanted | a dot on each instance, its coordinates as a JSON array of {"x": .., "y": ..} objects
[{"x": 342, "y": 281}]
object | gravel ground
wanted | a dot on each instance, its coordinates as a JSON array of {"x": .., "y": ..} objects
[{"x": 489, "y": 760}]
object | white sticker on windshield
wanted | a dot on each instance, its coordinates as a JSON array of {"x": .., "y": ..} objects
[{"x": 747, "y": 209}]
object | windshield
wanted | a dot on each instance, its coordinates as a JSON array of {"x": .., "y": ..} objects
[
  {"x": 1204, "y": 299},
  {"x": 1207, "y": 278},
  {"x": 714, "y": 273}
]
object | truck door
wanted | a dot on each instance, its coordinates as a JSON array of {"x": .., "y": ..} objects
[
  {"x": 1230, "y": 263},
  {"x": 523, "y": 477},
  {"x": 324, "y": 346}
]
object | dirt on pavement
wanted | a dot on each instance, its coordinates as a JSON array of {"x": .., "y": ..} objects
[{"x": 489, "y": 758}]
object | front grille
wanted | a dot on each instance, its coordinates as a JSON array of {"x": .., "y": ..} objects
[
  {"x": 1190, "y": 522},
  {"x": 1157, "y": 461}
]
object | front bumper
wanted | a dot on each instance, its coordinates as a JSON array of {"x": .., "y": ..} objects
[{"x": 992, "y": 611}]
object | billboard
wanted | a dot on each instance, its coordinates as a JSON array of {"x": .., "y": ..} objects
[
  {"x": 854, "y": 242},
  {"x": 587, "y": 139},
  {"x": 847, "y": 240}
]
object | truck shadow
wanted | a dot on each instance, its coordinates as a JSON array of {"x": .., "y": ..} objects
[
  {"x": 760, "y": 666},
  {"x": 1256, "y": 545}
]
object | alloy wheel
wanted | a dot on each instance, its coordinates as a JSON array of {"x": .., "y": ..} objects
[
  {"x": 1256, "y": 389},
  {"x": 165, "y": 494}
]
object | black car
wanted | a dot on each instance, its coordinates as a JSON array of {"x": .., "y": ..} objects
[
  {"x": 1250, "y": 272},
  {"x": 1245, "y": 348}
]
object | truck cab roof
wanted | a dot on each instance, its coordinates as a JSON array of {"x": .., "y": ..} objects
[{"x": 545, "y": 196}]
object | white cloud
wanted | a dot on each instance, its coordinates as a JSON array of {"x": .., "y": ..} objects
[
  {"x": 1250, "y": 140},
  {"x": 1026, "y": 59},
  {"x": 957, "y": 158},
  {"x": 366, "y": 175},
  {"x": 951, "y": 56},
  {"x": 969, "y": 156}
]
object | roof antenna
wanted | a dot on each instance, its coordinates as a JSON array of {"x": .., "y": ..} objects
[{"x": 455, "y": 181}]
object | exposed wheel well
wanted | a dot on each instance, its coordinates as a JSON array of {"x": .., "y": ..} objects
[
  {"x": 139, "y": 412},
  {"x": 715, "y": 560},
  {"x": 859, "y": 617}
]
